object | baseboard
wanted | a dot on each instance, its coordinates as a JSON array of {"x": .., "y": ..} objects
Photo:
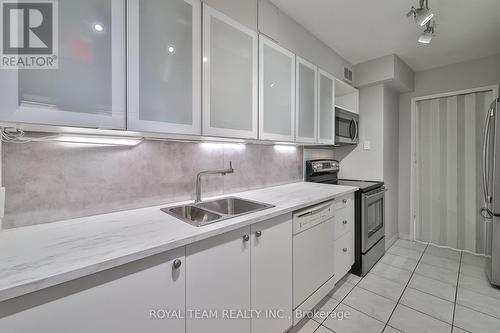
[
  {"x": 405, "y": 236},
  {"x": 391, "y": 241}
]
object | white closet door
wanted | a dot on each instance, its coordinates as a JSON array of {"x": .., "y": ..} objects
[
  {"x": 306, "y": 101},
  {"x": 326, "y": 112},
  {"x": 164, "y": 66},
  {"x": 229, "y": 77},
  {"x": 88, "y": 87},
  {"x": 276, "y": 91}
]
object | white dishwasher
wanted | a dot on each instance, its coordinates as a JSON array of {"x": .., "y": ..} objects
[{"x": 313, "y": 254}]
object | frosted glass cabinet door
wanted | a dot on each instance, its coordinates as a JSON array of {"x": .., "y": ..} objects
[
  {"x": 229, "y": 77},
  {"x": 276, "y": 92},
  {"x": 164, "y": 66},
  {"x": 306, "y": 101},
  {"x": 88, "y": 88},
  {"x": 326, "y": 103}
]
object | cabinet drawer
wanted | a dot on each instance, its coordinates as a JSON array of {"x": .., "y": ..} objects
[
  {"x": 343, "y": 202},
  {"x": 344, "y": 255},
  {"x": 344, "y": 221}
]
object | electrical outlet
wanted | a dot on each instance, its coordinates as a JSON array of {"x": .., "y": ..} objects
[{"x": 367, "y": 145}]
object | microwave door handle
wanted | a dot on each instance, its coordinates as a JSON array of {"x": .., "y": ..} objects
[
  {"x": 356, "y": 127},
  {"x": 350, "y": 129}
]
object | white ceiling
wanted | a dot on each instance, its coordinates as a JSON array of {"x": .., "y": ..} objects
[{"x": 360, "y": 30}]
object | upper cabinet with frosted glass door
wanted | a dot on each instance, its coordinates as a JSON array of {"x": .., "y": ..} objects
[
  {"x": 326, "y": 108},
  {"x": 164, "y": 66},
  {"x": 229, "y": 77},
  {"x": 87, "y": 89},
  {"x": 276, "y": 92},
  {"x": 306, "y": 104}
]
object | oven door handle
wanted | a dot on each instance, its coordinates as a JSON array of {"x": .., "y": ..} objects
[{"x": 382, "y": 191}]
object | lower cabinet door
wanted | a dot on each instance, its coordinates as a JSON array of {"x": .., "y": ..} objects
[
  {"x": 271, "y": 275},
  {"x": 344, "y": 255},
  {"x": 218, "y": 283},
  {"x": 146, "y": 296}
]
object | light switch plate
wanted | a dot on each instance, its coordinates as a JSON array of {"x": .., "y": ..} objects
[{"x": 367, "y": 145}]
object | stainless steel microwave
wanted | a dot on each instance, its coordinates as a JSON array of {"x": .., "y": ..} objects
[{"x": 346, "y": 127}]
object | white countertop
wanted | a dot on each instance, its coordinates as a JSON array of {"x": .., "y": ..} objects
[{"x": 37, "y": 257}]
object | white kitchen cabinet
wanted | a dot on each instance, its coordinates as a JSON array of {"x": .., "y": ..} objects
[
  {"x": 218, "y": 279},
  {"x": 88, "y": 87},
  {"x": 326, "y": 106},
  {"x": 344, "y": 255},
  {"x": 276, "y": 92},
  {"x": 117, "y": 300},
  {"x": 344, "y": 221},
  {"x": 230, "y": 77},
  {"x": 164, "y": 66},
  {"x": 346, "y": 97},
  {"x": 306, "y": 101},
  {"x": 271, "y": 274}
]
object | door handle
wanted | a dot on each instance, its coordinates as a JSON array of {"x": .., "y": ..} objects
[
  {"x": 486, "y": 139},
  {"x": 177, "y": 264},
  {"x": 356, "y": 128}
]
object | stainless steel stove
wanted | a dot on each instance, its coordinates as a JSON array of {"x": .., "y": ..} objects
[{"x": 369, "y": 227}]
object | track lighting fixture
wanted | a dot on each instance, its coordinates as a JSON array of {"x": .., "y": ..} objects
[
  {"x": 428, "y": 34},
  {"x": 422, "y": 15}
]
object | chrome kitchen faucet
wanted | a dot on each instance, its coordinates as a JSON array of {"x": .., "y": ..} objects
[{"x": 215, "y": 172}]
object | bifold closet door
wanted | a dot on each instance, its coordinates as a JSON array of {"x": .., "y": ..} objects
[{"x": 448, "y": 171}]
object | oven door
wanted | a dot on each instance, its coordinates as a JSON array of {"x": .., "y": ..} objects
[
  {"x": 346, "y": 127},
  {"x": 372, "y": 218}
]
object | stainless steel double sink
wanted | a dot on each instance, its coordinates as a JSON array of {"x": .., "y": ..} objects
[{"x": 207, "y": 212}]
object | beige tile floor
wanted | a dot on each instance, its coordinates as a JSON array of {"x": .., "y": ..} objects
[{"x": 414, "y": 288}]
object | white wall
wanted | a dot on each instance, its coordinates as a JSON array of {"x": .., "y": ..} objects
[
  {"x": 391, "y": 162},
  {"x": 360, "y": 163},
  {"x": 243, "y": 11},
  {"x": 379, "y": 124},
  {"x": 465, "y": 75},
  {"x": 291, "y": 35},
  {"x": 389, "y": 70}
]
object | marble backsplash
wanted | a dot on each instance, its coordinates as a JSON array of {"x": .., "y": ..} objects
[{"x": 50, "y": 181}]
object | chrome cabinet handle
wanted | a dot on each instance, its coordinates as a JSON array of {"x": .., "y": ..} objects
[
  {"x": 258, "y": 233},
  {"x": 344, "y": 222},
  {"x": 344, "y": 201},
  {"x": 177, "y": 263},
  {"x": 246, "y": 238},
  {"x": 344, "y": 249}
]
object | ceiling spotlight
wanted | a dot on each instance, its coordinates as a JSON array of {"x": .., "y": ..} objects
[
  {"x": 428, "y": 34},
  {"x": 422, "y": 15}
]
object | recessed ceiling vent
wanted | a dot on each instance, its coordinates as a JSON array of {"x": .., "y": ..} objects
[{"x": 348, "y": 75}]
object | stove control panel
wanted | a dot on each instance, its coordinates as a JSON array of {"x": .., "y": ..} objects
[{"x": 322, "y": 166}]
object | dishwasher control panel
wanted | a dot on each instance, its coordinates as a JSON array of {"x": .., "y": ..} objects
[{"x": 311, "y": 216}]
